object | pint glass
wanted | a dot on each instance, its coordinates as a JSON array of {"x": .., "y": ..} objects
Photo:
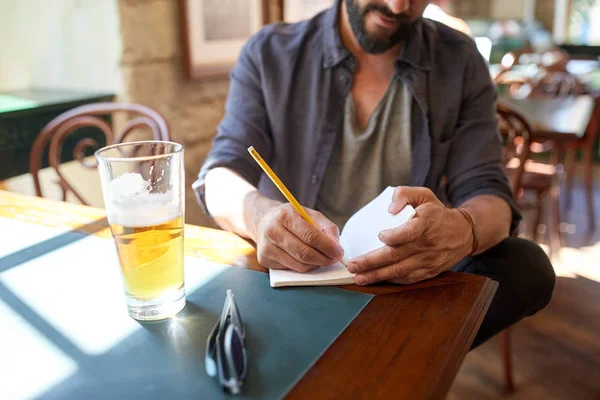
[{"x": 143, "y": 189}]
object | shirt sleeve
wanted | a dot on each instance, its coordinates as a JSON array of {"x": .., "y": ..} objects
[
  {"x": 245, "y": 123},
  {"x": 475, "y": 165}
]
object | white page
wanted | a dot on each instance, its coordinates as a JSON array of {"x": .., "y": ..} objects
[{"x": 358, "y": 237}]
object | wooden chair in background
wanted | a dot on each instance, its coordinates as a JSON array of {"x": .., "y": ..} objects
[
  {"x": 567, "y": 152},
  {"x": 558, "y": 84},
  {"x": 530, "y": 176},
  {"x": 556, "y": 81},
  {"x": 55, "y": 132},
  {"x": 523, "y": 175},
  {"x": 516, "y": 149},
  {"x": 587, "y": 145},
  {"x": 547, "y": 66}
]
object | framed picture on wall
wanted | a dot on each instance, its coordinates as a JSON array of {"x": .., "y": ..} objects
[{"x": 214, "y": 31}]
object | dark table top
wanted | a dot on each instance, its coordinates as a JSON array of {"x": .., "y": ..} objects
[
  {"x": 560, "y": 118},
  {"x": 20, "y": 102}
]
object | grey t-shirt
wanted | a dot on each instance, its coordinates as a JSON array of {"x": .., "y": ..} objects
[{"x": 365, "y": 162}]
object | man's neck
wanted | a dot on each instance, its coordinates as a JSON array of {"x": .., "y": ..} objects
[{"x": 384, "y": 60}]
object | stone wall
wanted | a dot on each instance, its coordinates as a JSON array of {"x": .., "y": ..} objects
[
  {"x": 153, "y": 76},
  {"x": 471, "y": 8},
  {"x": 504, "y": 9},
  {"x": 507, "y": 9},
  {"x": 544, "y": 12}
]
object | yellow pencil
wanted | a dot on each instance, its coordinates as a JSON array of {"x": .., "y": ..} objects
[
  {"x": 280, "y": 185},
  {"x": 288, "y": 195}
]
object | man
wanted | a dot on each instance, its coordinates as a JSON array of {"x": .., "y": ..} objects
[{"x": 364, "y": 96}]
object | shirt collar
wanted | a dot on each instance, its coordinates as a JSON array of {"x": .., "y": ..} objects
[
  {"x": 333, "y": 47},
  {"x": 414, "y": 54}
]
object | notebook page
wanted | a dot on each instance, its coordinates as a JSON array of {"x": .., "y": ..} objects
[
  {"x": 360, "y": 233},
  {"x": 358, "y": 237},
  {"x": 337, "y": 274}
]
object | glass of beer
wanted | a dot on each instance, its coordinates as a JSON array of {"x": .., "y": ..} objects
[{"x": 143, "y": 188}]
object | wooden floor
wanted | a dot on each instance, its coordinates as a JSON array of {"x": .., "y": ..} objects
[{"x": 556, "y": 352}]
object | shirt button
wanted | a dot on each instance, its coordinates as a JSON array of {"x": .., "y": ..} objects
[
  {"x": 344, "y": 79},
  {"x": 331, "y": 126},
  {"x": 313, "y": 179}
]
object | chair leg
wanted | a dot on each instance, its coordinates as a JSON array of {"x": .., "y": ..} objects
[
  {"x": 554, "y": 220},
  {"x": 588, "y": 181},
  {"x": 533, "y": 230},
  {"x": 509, "y": 385},
  {"x": 570, "y": 175}
]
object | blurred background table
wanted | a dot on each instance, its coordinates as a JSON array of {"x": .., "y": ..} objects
[{"x": 554, "y": 118}]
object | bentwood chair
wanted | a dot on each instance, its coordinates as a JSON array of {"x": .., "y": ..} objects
[
  {"x": 525, "y": 175},
  {"x": 53, "y": 135}
]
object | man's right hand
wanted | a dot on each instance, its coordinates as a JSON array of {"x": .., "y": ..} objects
[{"x": 286, "y": 241}]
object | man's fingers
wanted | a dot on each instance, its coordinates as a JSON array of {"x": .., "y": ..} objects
[
  {"x": 381, "y": 257},
  {"x": 326, "y": 225},
  {"x": 314, "y": 237},
  {"x": 275, "y": 257},
  {"x": 331, "y": 230},
  {"x": 273, "y": 264},
  {"x": 418, "y": 275},
  {"x": 399, "y": 270},
  {"x": 302, "y": 252},
  {"x": 406, "y": 233},
  {"x": 414, "y": 196}
]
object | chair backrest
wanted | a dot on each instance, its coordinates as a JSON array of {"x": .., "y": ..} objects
[
  {"x": 551, "y": 79},
  {"x": 554, "y": 59},
  {"x": 557, "y": 84},
  {"x": 516, "y": 151},
  {"x": 57, "y": 130}
]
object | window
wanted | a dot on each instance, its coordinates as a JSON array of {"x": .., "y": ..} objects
[{"x": 581, "y": 30}]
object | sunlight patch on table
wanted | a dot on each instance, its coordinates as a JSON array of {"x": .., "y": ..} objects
[
  {"x": 18, "y": 235},
  {"x": 77, "y": 289},
  {"x": 29, "y": 362}
]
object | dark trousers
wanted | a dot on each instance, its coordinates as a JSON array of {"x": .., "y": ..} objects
[{"x": 525, "y": 283}]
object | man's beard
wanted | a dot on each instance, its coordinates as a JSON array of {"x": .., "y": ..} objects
[{"x": 356, "y": 16}]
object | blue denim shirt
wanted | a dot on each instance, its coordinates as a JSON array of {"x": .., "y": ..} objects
[{"x": 286, "y": 98}]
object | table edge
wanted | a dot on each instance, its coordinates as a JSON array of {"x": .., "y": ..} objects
[{"x": 475, "y": 318}]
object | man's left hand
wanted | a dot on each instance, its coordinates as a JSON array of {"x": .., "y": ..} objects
[{"x": 432, "y": 242}]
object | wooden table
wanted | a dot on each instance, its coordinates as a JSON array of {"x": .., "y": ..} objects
[
  {"x": 561, "y": 119},
  {"x": 407, "y": 343}
]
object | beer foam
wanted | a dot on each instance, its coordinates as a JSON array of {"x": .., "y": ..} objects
[
  {"x": 126, "y": 186},
  {"x": 130, "y": 203}
]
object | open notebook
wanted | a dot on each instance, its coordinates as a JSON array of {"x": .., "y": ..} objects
[{"x": 358, "y": 237}]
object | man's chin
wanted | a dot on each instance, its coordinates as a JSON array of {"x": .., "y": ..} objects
[
  {"x": 376, "y": 44},
  {"x": 379, "y": 36}
]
